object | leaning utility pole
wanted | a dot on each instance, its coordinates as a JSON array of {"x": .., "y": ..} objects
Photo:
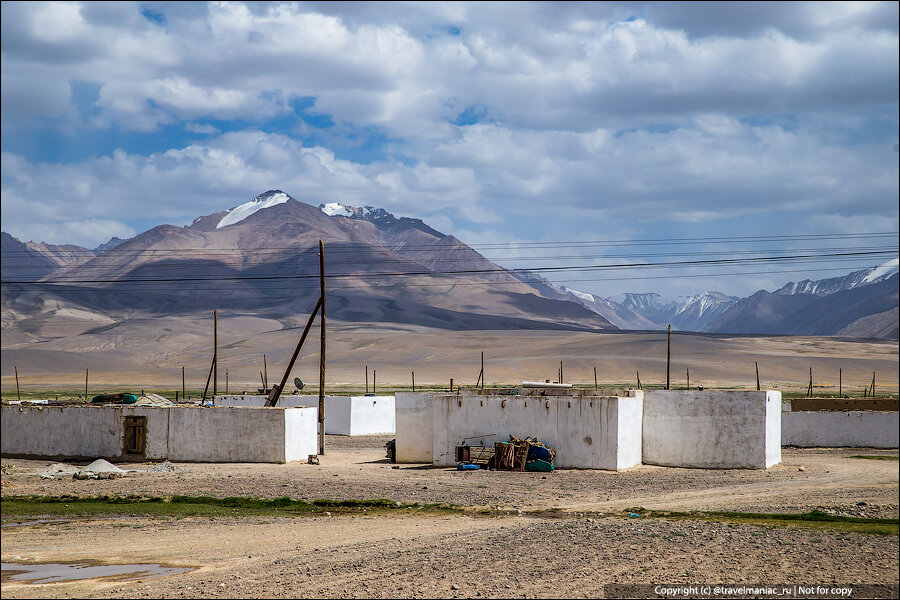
[{"x": 322, "y": 349}]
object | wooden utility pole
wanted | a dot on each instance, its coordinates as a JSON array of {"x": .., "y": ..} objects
[
  {"x": 840, "y": 383},
  {"x": 272, "y": 399},
  {"x": 688, "y": 379},
  {"x": 482, "y": 372},
  {"x": 183, "y": 397},
  {"x": 373, "y": 381},
  {"x": 265, "y": 375},
  {"x": 85, "y": 382},
  {"x": 639, "y": 380},
  {"x": 414, "y": 380},
  {"x": 873, "y": 384},
  {"x": 809, "y": 389},
  {"x": 668, "y": 353},
  {"x": 226, "y": 381},
  {"x": 560, "y": 372},
  {"x": 322, "y": 348},
  {"x": 367, "y": 379},
  {"x": 595, "y": 378},
  {"x": 215, "y": 352},
  {"x": 757, "y": 375},
  {"x": 18, "y": 397}
]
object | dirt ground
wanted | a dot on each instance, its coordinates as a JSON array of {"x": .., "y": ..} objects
[{"x": 529, "y": 555}]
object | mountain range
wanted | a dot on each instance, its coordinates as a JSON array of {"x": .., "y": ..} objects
[{"x": 260, "y": 257}]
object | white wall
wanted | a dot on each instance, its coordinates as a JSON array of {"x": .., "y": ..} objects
[
  {"x": 414, "y": 427},
  {"x": 337, "y": 415},
  {"x": 371, "y": 415},
  {"x": 827, "y": 428},
  {"x": 586, "y": 432},
  {"x": 286, "y": 401},
  {"x": 344, "y": 415},
  {"x": 301, "y": 433},
  {"x": 178, "y": 433},
  {"x": 712, "y": 429}
]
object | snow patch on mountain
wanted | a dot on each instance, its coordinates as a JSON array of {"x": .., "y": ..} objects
[
  {"x": 884, "y": 271},
  {"x": 577, "y": 294},
  {"x": 824, "y": 287},
  {"x": 363, "y": 213},
  {"x": 334, "y": 209},
  {"x": 239, "y": 213}
]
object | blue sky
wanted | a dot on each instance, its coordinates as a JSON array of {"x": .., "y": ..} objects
[{"x": 499, "y": 123}]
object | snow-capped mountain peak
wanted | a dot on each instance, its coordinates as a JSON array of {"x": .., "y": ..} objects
[
  {"x": 364, "y": 213},
  {"x": 334, "y": 209},
  {"x": 824, "y": 287},
  {"x": 239, "y": 213}
]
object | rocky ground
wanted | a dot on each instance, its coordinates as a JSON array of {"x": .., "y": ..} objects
[{"x": 394, "y": 555}]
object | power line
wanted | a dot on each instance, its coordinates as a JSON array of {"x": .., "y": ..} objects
[{"x": 704, "y": 262}]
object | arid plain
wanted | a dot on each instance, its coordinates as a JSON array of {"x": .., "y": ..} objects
[{"x": 150, "y": 353}]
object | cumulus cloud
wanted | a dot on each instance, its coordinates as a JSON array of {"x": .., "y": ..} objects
[
  {"x": 484, "y": 115},
  {"x": 530, "y": 65}
]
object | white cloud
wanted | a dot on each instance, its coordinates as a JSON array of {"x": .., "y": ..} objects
[{"x": 530, "y": 65}]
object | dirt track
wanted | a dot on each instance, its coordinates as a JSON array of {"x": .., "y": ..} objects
[{"x": 449, "y": 556}]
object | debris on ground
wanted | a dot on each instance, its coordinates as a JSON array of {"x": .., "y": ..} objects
[
  {"x": 57, "y": 469},
  {"x": 163, "y": 467},
  {"x": 528, "y": 454},
  {"x": 313, "y": 459}
]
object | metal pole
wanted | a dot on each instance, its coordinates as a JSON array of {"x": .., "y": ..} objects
[
  {"x": 265, "y": 374},
  {"x": 560, "y": 372},
  {"x": 85, "y": 382},
  {"x": 18, "y": 397},
  {"x": 226, "y": 381},
  {"x": 183, "y": 397},
  {"x": 414, "y": 380},
  {"x": 367, "y": 379},
  {"x": 215, "y": 352},
  {"x": 482, "y": 371},
  {"x": 688, "y": 379},
  {"x": 668, "y": 353},
  {"x": 639, "y": 380},
  {"x": 373, "y": 381},
  {"x": 322, "y": 348},
  {"x": 840, "y": 383},
  {"x": 757, "y": 375},
  {"x": 595, "y": 378},
  {"x": 873, "y": 384}
]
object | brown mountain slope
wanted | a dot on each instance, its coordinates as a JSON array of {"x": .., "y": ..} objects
[{"x": 387, "y": 269}]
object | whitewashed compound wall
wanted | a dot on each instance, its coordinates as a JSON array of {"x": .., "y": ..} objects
[
  {"x": 832, "y": 428},
  {"x": 344, "y": 415},
  {"x": 586, "y": 432},
  {"x": 176, "y": 433},
  {"x": 414, "y": 422},
  {"x": 712, "y": 429}
]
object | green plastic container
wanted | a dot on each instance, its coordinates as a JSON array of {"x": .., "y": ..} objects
[{"x": 539, "y": 465}]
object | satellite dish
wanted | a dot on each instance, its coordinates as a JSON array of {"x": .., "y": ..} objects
[{"x": 298, "y": 382}]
